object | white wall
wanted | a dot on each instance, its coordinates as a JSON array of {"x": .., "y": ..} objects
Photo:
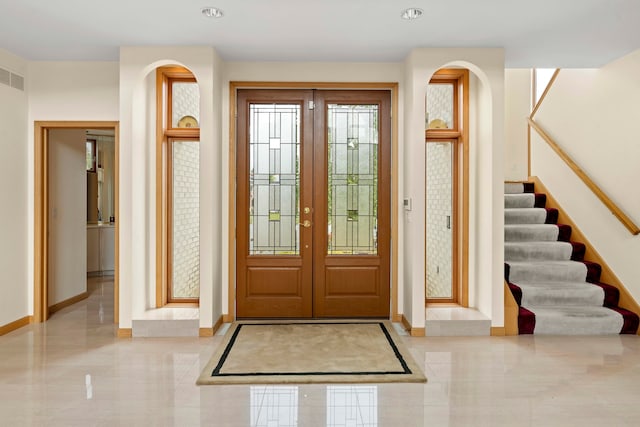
[
  {"x": 14, "y": 217},
  {"x": 67, "y": 265},
  {"x": 486, "y": 178},
  {"x": 65, "y": 91},
  {"x": 517, "y": 88},
  {"x": 593, "y": 115},
  {"x": 112, "y": 91}
]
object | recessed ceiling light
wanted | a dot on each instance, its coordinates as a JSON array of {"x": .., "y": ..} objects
[
  {"x": 411, "y": 13},
  {"x": 212, "y": 12}
]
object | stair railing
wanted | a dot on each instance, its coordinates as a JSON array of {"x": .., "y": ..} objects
[{"x": 600, "y": 194}]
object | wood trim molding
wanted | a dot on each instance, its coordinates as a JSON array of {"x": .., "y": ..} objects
[
  {"x": 544, "y": 94},
  {"x": 608, "y": 276},
  {"x": 464, "y": 243},
  {"x": 511, "y": 311},
  {"x": 461, "y": 184},
  {"x": 498, "y": 331},
  {"x": 395, "y": 220},
  {"x": 124, "y": 333},
  {"x": 165, "y": 133},
  {"x": 231, "y": 244},
  {"x": 16, "y": 324},
  {"x": 313, "y": 85},
  {"x": 69, "y": 301},
  {"x": 233, "y": 87},
  {"x": 209, "y": 332},
  {"x": 116, "y": 208},
  {"x": 41, "y": 206},
  {"x": 600, "y": 194},
  {"x": 161, "y": 84},
  {"x": 414, "y": 332},
  {"x": 435, "y": 134},
  {"x": 205, "y": 332}
]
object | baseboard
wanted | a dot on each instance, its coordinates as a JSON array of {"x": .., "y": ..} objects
[
  {"x": 124, "y": 333},
  {"x": 396, "y": 318},
  {"x": 227, "y": 318},
  {"x": 69, "y": 301},
  {"x": 205, "y": 332},
  {"x": 209, "y": 332},
  {"x": 498, "y": 331},
  {"x": 16, "y": 324},
  {"x": 511, "y": 311},
  {"x": 414, "y": 332}
]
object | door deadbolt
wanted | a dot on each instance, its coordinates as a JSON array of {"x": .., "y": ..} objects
[{"x": 307, "y": 210}]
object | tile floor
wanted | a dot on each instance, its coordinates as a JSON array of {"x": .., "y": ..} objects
[{"x": 71, "y": 371}]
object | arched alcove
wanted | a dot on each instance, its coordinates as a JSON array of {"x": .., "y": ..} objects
[
  {"x": 140, "y": 218},
  {"x": 486, "y": 70}
]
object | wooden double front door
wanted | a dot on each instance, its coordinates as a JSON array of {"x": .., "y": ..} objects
[{"x": 313, "y": 203}]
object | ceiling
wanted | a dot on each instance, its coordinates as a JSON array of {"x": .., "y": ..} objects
[{"x": 534, "y": 33}]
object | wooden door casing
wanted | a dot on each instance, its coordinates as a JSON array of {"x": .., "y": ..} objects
[{"x": 313, "y": 284}]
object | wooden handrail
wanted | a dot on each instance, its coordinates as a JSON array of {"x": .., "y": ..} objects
[{"x": 615, "y": 210}]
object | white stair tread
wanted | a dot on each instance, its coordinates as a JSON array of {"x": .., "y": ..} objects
[{"x": 569, "y": 320}]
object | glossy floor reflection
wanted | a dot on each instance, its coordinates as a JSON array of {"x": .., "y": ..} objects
[{"x": 71, "y": 371}]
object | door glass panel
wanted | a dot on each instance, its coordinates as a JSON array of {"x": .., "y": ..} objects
[
  {"x": 185, "y": 219},
  {"x": 274, "y": 179},
  {"x": 439, "y": 159},
  {"x": 440, "y": 106},
  {"x": 353, "y": 179}
]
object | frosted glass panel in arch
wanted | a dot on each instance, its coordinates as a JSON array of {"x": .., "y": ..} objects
[
  {"x": 186, "y": 219},
  {"x": 439, "y": 184},
  {"x": 440, "y": 106},
  {"x": 185, "y": 105}
]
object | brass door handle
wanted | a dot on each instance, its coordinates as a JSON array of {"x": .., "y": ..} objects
[{"x": 306, "y": 223}]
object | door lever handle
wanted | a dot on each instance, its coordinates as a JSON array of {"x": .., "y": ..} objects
[{"x": 306, "y": 223}]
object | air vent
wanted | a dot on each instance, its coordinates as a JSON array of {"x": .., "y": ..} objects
[
  {"x": 11, "y": 79},
  {"x": 17, "y": 82},
  {"x": 5, "y": 77}
]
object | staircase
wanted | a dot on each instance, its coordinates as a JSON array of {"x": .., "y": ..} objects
[{"x": 557, "y": 291}]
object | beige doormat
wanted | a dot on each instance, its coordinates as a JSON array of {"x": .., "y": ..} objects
[{"x": 280, "y": 352}]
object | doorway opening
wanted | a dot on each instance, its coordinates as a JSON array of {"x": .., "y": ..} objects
[
  {"x": 313, "y": 213},
  {"x": 51, "y": 218}
]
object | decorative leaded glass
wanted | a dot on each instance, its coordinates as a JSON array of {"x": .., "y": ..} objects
[
  {"x": 439, "y": 177},
  {"x": 352, "y": 179},
  {"x": 274, "y": 179}
]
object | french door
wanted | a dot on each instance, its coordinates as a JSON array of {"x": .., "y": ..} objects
[{"x": 313, "y": 203}]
